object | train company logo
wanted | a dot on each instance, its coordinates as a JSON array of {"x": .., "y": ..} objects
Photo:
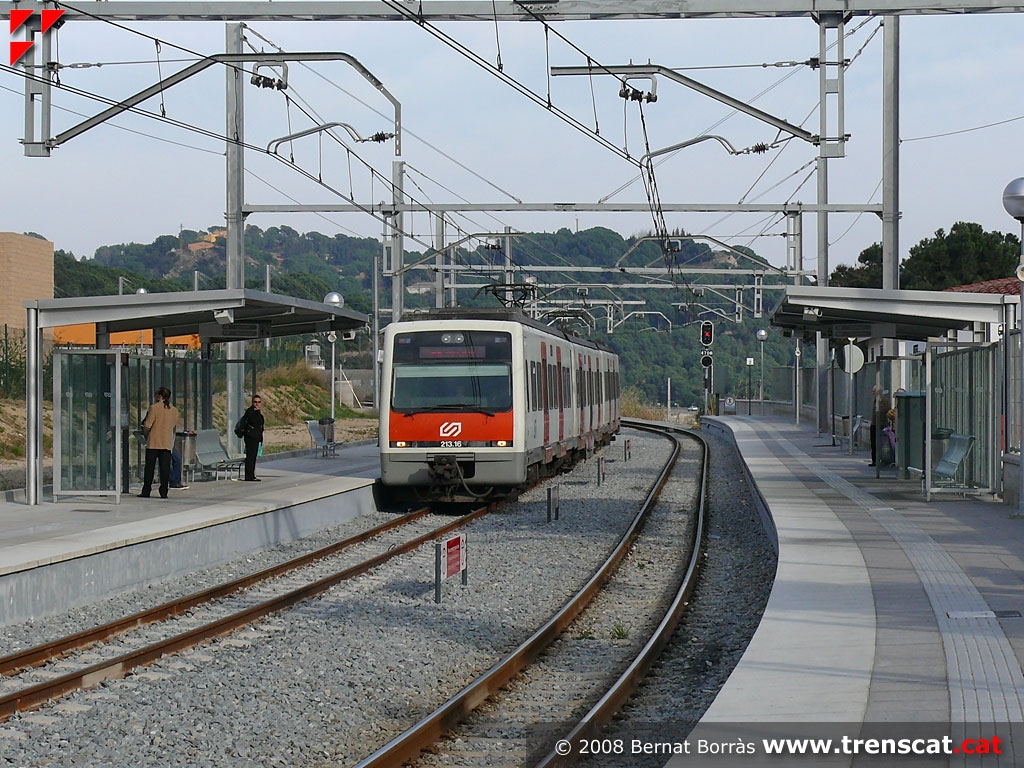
[
  {"x": 18, "y": 19},
  {"x": 451, "y": 429}
]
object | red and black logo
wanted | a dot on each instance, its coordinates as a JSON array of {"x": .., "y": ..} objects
[{"x": 18, "y": 18}]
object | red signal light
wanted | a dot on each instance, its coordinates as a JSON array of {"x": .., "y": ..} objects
[{"x": 707, "y": 333}]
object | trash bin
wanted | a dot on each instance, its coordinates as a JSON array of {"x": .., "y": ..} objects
[{"x": 327, "y": 429}]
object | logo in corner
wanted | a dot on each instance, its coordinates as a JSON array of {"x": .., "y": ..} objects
[
  {"x": 451, "y": 429},
  {"x": 18, "y": 19}
]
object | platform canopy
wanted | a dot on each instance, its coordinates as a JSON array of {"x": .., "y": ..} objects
[
  {"x": 873, "y": 313},
  {"x": 234, "y": 314}
]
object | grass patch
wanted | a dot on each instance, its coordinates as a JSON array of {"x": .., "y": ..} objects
[
  {"x": 634, "y": 406},
  {"x": 289, "y": 375}
]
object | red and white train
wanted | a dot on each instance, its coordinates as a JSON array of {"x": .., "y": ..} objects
[{"x": 481, "y": 401}]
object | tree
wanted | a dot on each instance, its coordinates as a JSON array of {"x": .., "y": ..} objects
[
  {"x": 867, "y": 275},
  {"x": 968, "y": 254}
]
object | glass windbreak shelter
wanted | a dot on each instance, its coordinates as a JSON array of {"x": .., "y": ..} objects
[
  {"x": 101, "y": 399},
  {"x": 963, "y": 417},
  {"x": 90, "y": 415}
]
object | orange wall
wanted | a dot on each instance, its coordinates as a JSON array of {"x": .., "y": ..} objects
[{"x": 85, "y": 335}]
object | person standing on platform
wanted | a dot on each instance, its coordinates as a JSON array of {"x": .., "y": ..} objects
[
  {"x": 879, "y": 418},
  {"x": 252, "y": 436},
  {"x": 158, "y": 429}
]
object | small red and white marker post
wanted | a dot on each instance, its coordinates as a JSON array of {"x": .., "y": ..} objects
[{"x": 449, "y": 560}]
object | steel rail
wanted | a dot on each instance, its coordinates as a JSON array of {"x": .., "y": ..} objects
[
  {"x": 34, "y": 696},
  {"x": 407, "y": 745},
  {"x": 40, "y": 654},
  {"x": 625, "y": 686}
]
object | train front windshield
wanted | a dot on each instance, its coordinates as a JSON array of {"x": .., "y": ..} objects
[{"x": 452, "y": 370}]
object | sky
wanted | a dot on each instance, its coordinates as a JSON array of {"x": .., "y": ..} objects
[{"x": 469, "y": 136}]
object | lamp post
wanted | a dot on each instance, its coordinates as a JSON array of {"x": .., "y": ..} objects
[
  {"x": 122, "y": 281},
  {"x": 750, "y": 389},
  {"x": 337, "y": 299},
  {"x": 762, "y": 334},
  {"x": 1013, "y": 203},
  {"x": 796, "y": 388}
]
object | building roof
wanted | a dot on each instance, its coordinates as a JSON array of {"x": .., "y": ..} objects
[{"x": 1006, "y": 286}]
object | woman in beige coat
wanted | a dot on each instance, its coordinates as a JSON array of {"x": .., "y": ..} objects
[{"x": 158, "y": 429}]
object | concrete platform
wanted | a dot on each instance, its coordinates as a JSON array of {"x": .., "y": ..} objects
[
  {"x": 62, "y": 554},
  {"x": 890, "y": 617}
]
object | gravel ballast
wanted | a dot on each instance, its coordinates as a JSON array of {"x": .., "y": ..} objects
[{"x": 326, "y": 682}]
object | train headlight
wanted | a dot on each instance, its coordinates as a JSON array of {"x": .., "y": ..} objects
[
  {"x": 452, "y": 338},
  {"x": 502, "y": 443},
  {"x": 401, "y": 444}
]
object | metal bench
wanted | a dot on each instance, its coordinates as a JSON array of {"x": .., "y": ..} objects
[
  {"x": 952, "y": 461},
  {"x": 212, "y": 456},
  {"x": 319, "y": 442},
  {"x": 859, "y": 423}
]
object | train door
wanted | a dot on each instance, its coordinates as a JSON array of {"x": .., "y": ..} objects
[
  {"x": 580, "y": 402},
  {"x": 544, "y": 392},
  {"x": 560, "y": 397},
  {"x": 590, "y": 401}
]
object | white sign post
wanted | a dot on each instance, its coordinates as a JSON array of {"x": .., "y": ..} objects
[{"x": 853, "y": 361}]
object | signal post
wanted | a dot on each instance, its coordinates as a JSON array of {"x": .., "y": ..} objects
[{"x": 707, "y": 337}]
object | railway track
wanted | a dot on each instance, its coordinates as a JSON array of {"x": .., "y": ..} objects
[
  {"x": 454, "y": 735},
  {"x": 361, "y": 663},
  {"x": 36, "y": 675}
]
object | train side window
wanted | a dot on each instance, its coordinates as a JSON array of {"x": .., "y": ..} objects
[{"x": 538, "y": 393}]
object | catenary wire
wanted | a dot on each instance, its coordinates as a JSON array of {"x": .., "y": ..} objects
[
  {"x": 515, "y": 84},
  {"x": 181, "y": 124}
]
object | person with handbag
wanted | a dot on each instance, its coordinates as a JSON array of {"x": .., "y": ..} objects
[
  {"x": 158, "y": 429},
  {"x": 250, "y": 429}
]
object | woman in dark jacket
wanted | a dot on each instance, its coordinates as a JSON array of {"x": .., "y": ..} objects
[{"x": 253, "y": 423}]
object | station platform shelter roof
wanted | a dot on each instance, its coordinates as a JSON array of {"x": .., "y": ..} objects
[
  {"x": 892, "y": 314},
  {"x": 233, "y": 314}
]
